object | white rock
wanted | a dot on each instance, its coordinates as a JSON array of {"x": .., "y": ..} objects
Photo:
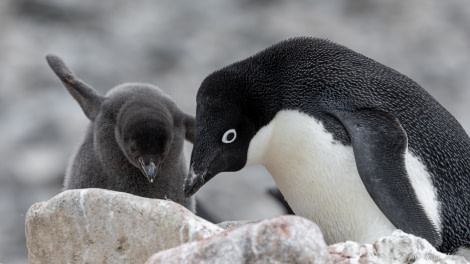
[
  {"x": 101, "y": 226},
  {"x": 284, "y": 239},
  {"x": 399, "y": 247}
]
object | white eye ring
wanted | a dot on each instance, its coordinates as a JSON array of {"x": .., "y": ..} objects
[{"x": 229, "y": 136}]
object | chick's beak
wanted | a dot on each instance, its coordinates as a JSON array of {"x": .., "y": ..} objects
[{"x": 149, "y": 169}]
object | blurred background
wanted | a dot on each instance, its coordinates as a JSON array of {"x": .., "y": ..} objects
[{"x": 174, "y": 45}]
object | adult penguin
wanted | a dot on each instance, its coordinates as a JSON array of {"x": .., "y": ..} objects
[{"x": 353, "y": 145}]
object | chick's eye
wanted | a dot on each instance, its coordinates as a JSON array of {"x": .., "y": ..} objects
[
  {"x": 229, "y": 136},
  {"x": 132, "y": 149}
]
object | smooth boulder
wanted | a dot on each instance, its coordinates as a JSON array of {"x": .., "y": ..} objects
[{"x": 101, "y": 226}]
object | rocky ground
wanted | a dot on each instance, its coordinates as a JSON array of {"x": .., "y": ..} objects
[
  {"x": 97, "y": 231},
  {"x": 175, "y": 44}
]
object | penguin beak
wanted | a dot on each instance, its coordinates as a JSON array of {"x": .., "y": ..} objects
[
  {"x": 201, "y": 171},
  {"x": 149, "y": 169},
  {"x": 194, "y": 181}
]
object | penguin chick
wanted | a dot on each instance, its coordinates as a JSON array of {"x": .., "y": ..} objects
[
  {"x": 134, "y": 142},
  {"x": 353, "y": 145}
]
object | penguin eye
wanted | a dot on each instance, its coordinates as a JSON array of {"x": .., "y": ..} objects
[
  {"x": 229, "y": 136},
  {"x": 132, "y": 150}
]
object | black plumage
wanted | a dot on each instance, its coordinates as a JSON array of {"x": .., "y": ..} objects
[
  {"x": 381, "y": 113},
  {"x": 134, "y": 142}
]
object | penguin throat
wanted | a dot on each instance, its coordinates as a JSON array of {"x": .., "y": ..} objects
[{"x": 259, "y": 145}]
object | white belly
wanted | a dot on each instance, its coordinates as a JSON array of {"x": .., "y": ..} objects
[{"x": 318, "y": 178}]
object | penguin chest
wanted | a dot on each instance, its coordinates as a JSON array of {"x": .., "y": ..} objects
[{"x": 318, "y": 178}]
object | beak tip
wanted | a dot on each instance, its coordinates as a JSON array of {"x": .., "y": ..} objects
[
  {"x": 149, "y": 170},
  {"x": 188, "y": 193},
  {"x": 193, "y": 183},
  {"x": 187, "y": 189}
]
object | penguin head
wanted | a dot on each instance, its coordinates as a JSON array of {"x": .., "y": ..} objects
[
  {"x": 144, "y": 135},
  {"x": 223, "y": 130},
  {"x": 148, "y": 126}
]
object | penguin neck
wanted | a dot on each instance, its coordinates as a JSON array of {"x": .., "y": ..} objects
[
  {"x": 274, "y": 141},
  {"x": 259, "y": 145}
]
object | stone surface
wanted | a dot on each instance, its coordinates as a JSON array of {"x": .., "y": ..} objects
[
  {"x": 283, "y": 239},
  {"x": 101, "y": 226},
  {"x": 233, "y": 224},
  {"x": 399, "y": 247}
]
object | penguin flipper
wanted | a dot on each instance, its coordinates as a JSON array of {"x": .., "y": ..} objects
[
  {"x": 379, "y": 144},
  {"x": 87, "y": 97}
]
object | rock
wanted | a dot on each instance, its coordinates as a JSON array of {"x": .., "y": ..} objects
[
  {"x": 283, "y": 239},
  {"x": 101, "y": 226},
  {"x": 399, "y": 247},
  {"x": 233, "y": 224}
]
